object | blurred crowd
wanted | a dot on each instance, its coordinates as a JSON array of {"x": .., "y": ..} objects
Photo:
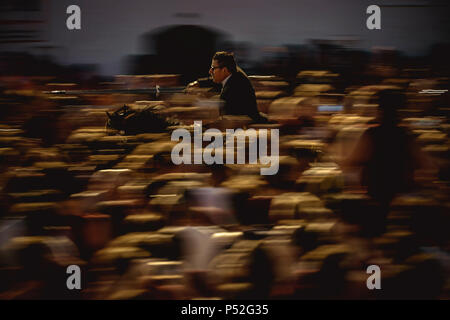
[{"x": 363, "y": 180}]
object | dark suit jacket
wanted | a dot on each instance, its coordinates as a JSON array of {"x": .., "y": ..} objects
[{"x": 239, "y": 97}]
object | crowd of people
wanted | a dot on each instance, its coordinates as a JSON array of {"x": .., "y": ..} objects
[{"x": 363, "y": 180}]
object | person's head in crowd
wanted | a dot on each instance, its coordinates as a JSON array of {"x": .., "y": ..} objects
[
  {"x": 390, "y": 100},
  {"x": 222, "y": 66}
]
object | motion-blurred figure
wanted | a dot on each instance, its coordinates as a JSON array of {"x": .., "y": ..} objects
[{"x": 387, "y": 154}]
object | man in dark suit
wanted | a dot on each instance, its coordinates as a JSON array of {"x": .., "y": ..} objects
[{"x": 237, "y": 91}]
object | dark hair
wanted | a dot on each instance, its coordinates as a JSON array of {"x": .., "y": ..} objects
[
  {"x": 389, "y": 101},
  {"x": 226, "y": 59}
]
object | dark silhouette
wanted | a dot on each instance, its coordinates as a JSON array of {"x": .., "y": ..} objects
[
  {"x": 387, "y": 154},
  {"x": 179, "y": 49},
  {"x": 137, "y": 121}
]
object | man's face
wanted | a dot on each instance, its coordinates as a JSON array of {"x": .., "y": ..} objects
[{"x": 217, "y": 72}]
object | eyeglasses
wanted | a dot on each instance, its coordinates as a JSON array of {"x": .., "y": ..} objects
[{"x": 214, "y": 68}]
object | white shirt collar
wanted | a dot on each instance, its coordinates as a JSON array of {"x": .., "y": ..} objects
[{"x": 225, "y": 80}]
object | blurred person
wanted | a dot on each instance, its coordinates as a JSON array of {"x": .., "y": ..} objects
[
  {"x": 237, "y": 91},
  {"x": 261, "y": 274},
  {"x": 387, "y": 154},
  {"x": 40, "y": 276}
]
